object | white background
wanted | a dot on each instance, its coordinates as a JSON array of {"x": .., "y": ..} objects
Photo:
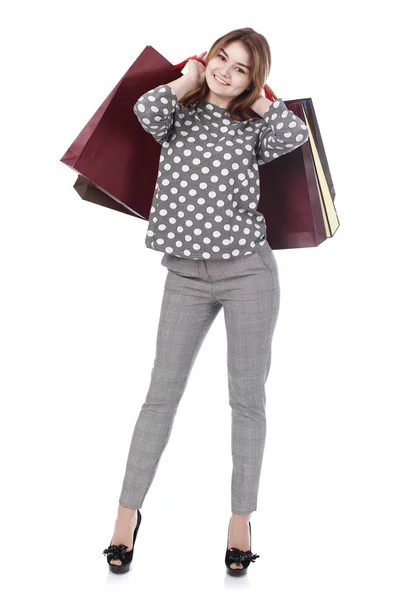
[{"x": 81, "y": 296}]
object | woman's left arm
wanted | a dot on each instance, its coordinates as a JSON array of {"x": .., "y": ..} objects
[{"x": 282, "y": 131}]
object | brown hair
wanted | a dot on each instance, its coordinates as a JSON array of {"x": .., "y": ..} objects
[{"x": 259, "y": 50}]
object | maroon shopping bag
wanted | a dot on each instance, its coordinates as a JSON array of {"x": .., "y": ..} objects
[
  {"x": 89, "y": 191},
  {"x": 113, "y": 152},
  {"x": 117, "y": 163},
  {"x": 296, "y": 190}
]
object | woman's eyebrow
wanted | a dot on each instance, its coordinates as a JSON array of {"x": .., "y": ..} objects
[{"x": 224, "y": 51}]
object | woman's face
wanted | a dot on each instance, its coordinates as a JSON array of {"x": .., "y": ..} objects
[{"x": 231, "y": 65}]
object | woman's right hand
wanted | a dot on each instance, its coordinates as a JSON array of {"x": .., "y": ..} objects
[{"x": 196, "y": 70}]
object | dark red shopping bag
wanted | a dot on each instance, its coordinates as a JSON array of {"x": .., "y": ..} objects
[
  {"x": 117, "y": 163},
  {"x": 296, "y": 190},
  {"x": 89, "y": 191},
  {"x": 113, "y": 152}
]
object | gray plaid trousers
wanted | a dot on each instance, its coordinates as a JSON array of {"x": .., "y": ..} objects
[{"x": 248, "y": 288}]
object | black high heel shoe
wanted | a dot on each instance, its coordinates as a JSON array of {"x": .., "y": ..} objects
[
  {"x": 234, "y": 555},
  {"x": 114, "y": 552}
]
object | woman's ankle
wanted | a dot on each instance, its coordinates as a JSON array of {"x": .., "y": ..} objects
[
  {"x": 236, "y": 517},
  {"x": 126, "y": 513}
]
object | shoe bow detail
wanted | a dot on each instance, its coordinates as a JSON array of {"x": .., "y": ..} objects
[
  {"x": 237, "y": 556},
  {"x": 116, "y": 552}
]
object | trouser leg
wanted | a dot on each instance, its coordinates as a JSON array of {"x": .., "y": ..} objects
[
  {"x": 251, "y": 311},
  {"x": 186, "y": 316}
]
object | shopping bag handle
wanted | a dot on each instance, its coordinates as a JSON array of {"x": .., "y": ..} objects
[{"x": 268, "y": 92}]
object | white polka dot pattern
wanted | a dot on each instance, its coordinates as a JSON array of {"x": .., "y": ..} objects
[{"x": 208, "y": 186}]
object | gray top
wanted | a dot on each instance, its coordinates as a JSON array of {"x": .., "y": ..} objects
[{"x": 208, "y": 186}]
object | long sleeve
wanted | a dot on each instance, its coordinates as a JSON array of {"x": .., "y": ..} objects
[
  {"x": 281, "y": 133},
  {"x": 156, "y": 110}
]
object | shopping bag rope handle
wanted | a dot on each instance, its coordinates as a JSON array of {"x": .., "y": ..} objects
[{"x": 268, "y": 92}]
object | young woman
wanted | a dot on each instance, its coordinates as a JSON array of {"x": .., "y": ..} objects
[{"x": 215, "y": 128}]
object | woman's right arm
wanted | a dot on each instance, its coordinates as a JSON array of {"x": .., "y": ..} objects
[
  {"x": 156, "y": 108},
  {"x": 183, "y": 85}
]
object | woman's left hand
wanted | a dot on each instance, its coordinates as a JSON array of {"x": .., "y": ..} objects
[{"x": 260, "y": 105}]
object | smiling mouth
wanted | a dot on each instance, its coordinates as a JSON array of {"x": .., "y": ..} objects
[{"x": 218, "y": 81}]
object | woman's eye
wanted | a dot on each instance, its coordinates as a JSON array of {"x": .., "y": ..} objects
[{"x": 221, "y": 56}]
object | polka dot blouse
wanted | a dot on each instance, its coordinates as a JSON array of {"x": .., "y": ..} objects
[{"x": 208, "y": 186}]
